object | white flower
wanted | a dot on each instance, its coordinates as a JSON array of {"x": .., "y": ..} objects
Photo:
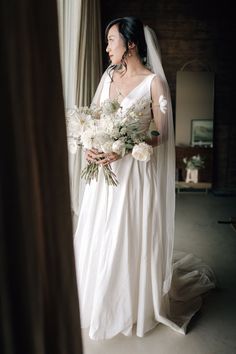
[
  {"x": 102, "y": 137},
  {"x": 95, "y": 143},
  {"x": 91, "y": 124},
  {"x": 142, "y": 152},
  {"x": 72, "y": 146},
  {"x": 133, "y": 114},
  {"x": 115, "y": 133},
  {"x": 87, "y": 139},
  {"x": 119, "y": 147},
  {"x": 74, "y": 128},
  {"x": 107, "y": 146},
  {"x": 110, "y": 106},
  {"x": 73, "y": 112},
  {"x": 106, "y": 124},
  {"x": 163, "y": 103},
  {"x": 76, "y": 121}
]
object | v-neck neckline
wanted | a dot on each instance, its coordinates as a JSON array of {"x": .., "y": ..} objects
[{"x": 109, "y": 88}]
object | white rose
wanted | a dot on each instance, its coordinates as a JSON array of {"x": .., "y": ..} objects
[
  {"x": 142, "y": 152},
  {"x": 119, "y": 147},
  {"x": 107, "y": 146},
  {"x": 72, "y": 146}
]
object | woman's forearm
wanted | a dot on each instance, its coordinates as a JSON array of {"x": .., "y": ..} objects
[{"x": 153, "y": 141}]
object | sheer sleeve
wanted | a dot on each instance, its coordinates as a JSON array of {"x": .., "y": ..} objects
[
  {"x": 164, "y": 157},
  {"x": 97, "y": 95},
  {"x": 160, "y": 108}
]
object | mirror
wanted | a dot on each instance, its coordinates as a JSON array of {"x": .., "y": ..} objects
[
  {"x": 194, "y": 102},
  {"x": 194, "y": 124}
]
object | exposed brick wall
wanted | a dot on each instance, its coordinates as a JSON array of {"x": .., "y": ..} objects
[{"x": 188, "y": 30}]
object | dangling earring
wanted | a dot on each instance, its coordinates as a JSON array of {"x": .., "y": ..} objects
[{"x": 129, "y": 55}]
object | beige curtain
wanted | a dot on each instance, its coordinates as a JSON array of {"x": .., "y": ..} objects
[
  {"x": 80, "y": 49},
  {"x": 81, "y": 53},
  {"x": 69, "y": 15},
  {"x": 90, "y": 52},
  {"x": 39, "y": 303}
]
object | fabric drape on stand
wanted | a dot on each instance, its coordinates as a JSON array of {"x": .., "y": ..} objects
[
  {"x": 80, "y": 33},
  {"x": 39, "y": 303}
]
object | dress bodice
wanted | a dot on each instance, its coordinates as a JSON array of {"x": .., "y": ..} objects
[{"x": 139, "y": 97}]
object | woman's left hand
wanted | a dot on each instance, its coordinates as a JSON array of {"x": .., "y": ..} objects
[{"x": 108, "y": 158}]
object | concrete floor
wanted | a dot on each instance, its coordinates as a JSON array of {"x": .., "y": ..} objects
[{"x": 213, "y": 329}]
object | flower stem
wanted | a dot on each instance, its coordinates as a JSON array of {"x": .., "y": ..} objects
[{"x": 90, "y": 172}]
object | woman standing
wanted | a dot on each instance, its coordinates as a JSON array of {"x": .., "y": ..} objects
[{"x": 124, "y": 238}]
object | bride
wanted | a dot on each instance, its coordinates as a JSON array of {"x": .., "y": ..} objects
[{"x": 126, "y": 272}]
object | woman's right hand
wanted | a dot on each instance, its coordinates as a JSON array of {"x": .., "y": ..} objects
[
  {"x": 93, "y": 156},
  {"x": 101, "y": 158}
]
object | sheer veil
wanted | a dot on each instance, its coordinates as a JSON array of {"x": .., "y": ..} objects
[
  {"x": 165, "y": 156},
  {"x": 185, "y": 277}
]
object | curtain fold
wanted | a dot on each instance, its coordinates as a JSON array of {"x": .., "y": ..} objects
[
  {"x": 81, "y": 53},
  {"x": 90, "y": 52},
  {"x": 39, "y": 302},
  {"x": 69, "y": 21}
]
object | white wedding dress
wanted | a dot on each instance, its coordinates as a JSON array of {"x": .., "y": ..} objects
[{"x": 116, "y": 247}]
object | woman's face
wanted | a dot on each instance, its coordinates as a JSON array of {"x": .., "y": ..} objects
[{"x": 115, "y": 47}]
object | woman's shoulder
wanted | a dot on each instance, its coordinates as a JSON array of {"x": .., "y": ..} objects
[
  {"x": 157, "y": 80},
  {"x": 158, "y": 87},
  {"x": 145, "y": 73},
  {"x": 116, "y": 73}
]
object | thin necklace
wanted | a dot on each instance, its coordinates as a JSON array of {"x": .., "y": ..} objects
[{"x": 118, "y": 91}]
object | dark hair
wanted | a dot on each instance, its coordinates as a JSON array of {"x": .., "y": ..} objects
[{"x": 131, "y": 30}]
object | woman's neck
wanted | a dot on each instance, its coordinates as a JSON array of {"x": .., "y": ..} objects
[{"x": 134, "y": 67}]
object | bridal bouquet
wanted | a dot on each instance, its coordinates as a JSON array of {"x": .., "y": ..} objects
[{"x": 108, "y": 129}]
